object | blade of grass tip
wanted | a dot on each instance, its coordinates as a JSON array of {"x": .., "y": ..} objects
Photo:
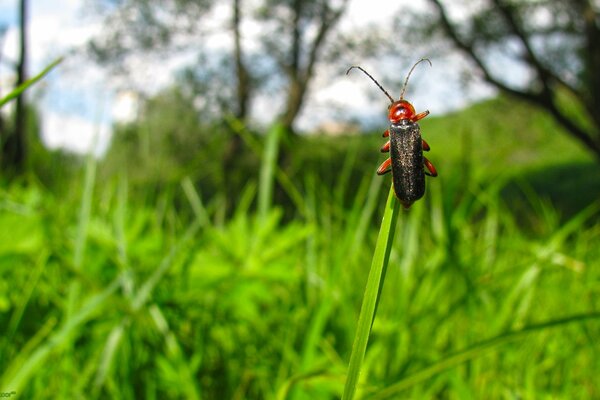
[
  {"x": 367, "y": 211},
  {"x": 267, "y": 170},
  {"x": 15, "y": 93},
  {"x": 195, "y": 201},
  {"x": 372, "y": 291},
  {"x": 108, "y": 355}
]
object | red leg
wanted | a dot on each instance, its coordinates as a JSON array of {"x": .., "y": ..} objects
[
  {"x": 425, "y": 145},
  {"x": 430, "y": 167},
  {"x": 386, "y": 133},
  {"x": 386, "y": 147},
  {"x": 384, "y": 167},
  {"x": 420, "y": 116}
]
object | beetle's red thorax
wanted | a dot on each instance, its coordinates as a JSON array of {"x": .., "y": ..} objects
[{"x": 400, "y": 110}]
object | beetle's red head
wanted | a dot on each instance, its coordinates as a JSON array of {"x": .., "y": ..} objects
[{"x": 400, "y": 110}]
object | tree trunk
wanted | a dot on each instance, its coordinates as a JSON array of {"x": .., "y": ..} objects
[
  {"x": 295, "y": 98},
  {"x": 300, "y": 72},
  {"x": 15, "y": 150},
  {"x": 243, "y": 81},
  {"x": 243, "y": 88}
]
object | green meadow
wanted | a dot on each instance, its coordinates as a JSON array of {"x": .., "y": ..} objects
[{"x": 249, "y": 286}]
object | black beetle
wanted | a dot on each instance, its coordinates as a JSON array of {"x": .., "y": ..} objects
[{"x": 405, "y": 146}]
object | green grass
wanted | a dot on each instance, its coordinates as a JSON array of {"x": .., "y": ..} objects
[
  {"x": 491, "y": 290},
  {"x": 375, "y": 282}
]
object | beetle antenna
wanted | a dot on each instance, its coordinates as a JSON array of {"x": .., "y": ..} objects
[
  {"x": 373, "y": 79},
  {"x": 410, "y": 72}
]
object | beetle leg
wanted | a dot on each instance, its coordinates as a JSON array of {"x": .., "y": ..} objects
[
  {"x": 384, "y": 167},
  {"x": 430, "y": 167},
  {"x": 386, "y": 133},
  {"x": 420, "y": 116},
  {"x": 386, "y": 147},
  {"x": 425, "y": 145}
]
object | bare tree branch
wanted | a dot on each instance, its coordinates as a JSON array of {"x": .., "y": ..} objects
[
  {"x": 545, "y": 97},
  {"x": 300, "y": 74}
]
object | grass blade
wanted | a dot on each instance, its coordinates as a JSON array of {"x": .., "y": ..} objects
[
  {"x": 372, "y": 292},
  {"x": 477, "y": 350},
  {"x": 24, "y": 366},
  {"x": 15, "y": 93},
  {"x": 267, "y": 170}
]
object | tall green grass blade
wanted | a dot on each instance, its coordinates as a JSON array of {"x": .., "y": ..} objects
[
  {"x": 367, "y": 211},
  {"x": 84, "y": 211},
  {"x": 477, "y": 350},
  {"x": 81, "y": 232},
  {"x": 267, "y": 170},
  {"x": 108, "y": 354},
  {"x": 184, "y": 372},
  {"x": 372, "y": 292},
  {"x": 195, "y": 201},
  {"x": 25, "y": 365},
  {"x": 284, "y": 180},
  {"x": 285, "y": 389},
  {"x": 140, "y": 298},
  {"x": 23, "y": 301},
  {"x": 25, "y": 85}
]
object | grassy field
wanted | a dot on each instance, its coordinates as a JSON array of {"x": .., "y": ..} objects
[{"x": 493, "y": 287}]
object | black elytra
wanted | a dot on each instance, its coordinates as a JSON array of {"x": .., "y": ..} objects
[{"x": 406, "y": 153}]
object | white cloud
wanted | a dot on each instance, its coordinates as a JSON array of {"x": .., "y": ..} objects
[{"x": 74, "y": 133}]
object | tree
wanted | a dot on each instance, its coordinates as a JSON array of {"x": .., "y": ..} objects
[
  {"x": 557, "y": 41},
  {"x": 295, "y": 33},
  {"x": 299, "y": 32},
  {"x": 2, "y": 124},
  {"x": 153, "y": 27},
  {"x": 14, "y": 146}
]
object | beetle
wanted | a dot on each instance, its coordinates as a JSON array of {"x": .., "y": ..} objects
[{"x": 405, "y": 145}]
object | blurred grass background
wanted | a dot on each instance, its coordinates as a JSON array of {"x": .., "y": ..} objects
[
  {"x": 115, "y": 288},
  {"x": 202, "y": 256}
]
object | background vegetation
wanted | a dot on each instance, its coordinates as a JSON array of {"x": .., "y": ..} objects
[{"x": 201, "y": 258}]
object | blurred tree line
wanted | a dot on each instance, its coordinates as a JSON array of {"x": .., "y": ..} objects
[{"x": 557, "y": 44}]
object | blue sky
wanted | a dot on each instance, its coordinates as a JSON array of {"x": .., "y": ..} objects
[
  {"x": 79, "y": 101},
  {"x": 74, "y": 103}
]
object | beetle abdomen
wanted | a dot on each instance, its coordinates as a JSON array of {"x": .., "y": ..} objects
[{"x": 406, "y": 151}]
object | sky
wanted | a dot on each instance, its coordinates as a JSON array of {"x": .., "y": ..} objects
[{"x": 79, "y": 101}]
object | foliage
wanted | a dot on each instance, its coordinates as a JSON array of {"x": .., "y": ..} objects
[
  {"x": 283, "y": 55},
  {"x": 125, "y": 294},
  {"x": 172, "y": 307},
  {"x": 170, "y": 141}
]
